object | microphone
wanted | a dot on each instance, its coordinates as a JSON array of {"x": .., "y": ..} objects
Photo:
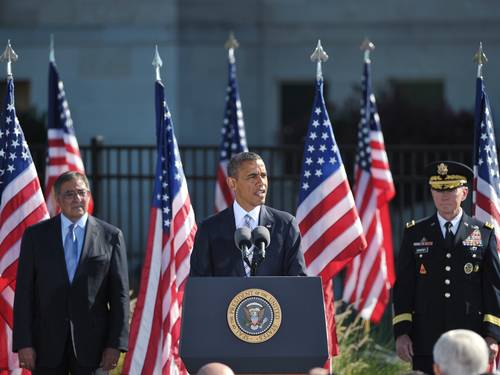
[
  {"x": 261, "y": 239},
  {"x": 243, "y": 239}
]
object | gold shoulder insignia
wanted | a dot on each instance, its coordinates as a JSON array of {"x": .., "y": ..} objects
[
  {"x": 410, "y": 224},
  {"x": 488, "y": 225}
]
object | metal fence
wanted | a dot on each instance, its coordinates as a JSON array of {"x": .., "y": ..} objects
[{"x": 121, "y": 178}]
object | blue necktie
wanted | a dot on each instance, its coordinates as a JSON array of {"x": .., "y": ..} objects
[
  {"x": 249, "y": 254},
  {"x": 71, "y": 251},
  {"x": 248, "y": 221}
]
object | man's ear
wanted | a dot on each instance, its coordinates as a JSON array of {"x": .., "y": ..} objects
[
  {"x": 231, "y": 182},
  {"x": 465, "y": 193}
]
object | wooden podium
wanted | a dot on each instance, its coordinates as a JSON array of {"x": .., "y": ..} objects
[{"x": 254, "y": 324}]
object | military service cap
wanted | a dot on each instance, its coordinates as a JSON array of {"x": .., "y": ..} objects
[{"x": 448, "y": 175}]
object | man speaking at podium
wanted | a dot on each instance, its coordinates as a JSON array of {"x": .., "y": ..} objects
[{"x": 248, "y": 238}]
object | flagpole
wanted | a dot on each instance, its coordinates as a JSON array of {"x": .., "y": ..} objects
[
  {"x": 367, "y": 47},
  {"x": 157, "y": 63},
  {"x": 10, "y": 56},
  {"x": 52, "y": 55},
  {"x": 480, "y": 59},
  {"x": 231, "y": 44},
  {"x": 319, "y": 56}
]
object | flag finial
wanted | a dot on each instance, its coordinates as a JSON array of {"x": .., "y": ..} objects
[
  {"x": 231, "y": 44},
  {"x": 52, "y": 55},
  {"x": 367, "y": 47},
  {"x": 10, "y": 56},
  {"x": 157, "y": 63},
  {"x": 480, "y": 59},
  {"x": 319, "y": 56}
]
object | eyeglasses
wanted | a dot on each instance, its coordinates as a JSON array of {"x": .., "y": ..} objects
[{"x": 72, "y": 194}]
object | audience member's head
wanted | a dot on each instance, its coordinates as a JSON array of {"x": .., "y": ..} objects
[
  {"x": 215, "y": 368},
  {"x": 460, "y": 352}
]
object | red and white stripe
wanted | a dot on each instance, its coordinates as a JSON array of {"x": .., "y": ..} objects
[
  {"x": 329, "y": 223},
  {"x": 223, "y": 194},
  {"x": 371, "y": 274},
  {"x": 331, "y": 236},
  {"x": 63, "y": 155},
  {"x": 486, "y": 204},
  {"x": 155, "y": 329},
  {"x": 22, "y": 205}
]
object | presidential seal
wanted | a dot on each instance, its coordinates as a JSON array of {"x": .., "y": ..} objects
[{"x": 254, "y": 316}]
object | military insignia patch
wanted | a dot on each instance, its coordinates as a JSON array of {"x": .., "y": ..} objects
[
  {"x": 468, "y": 268},
  {"x": 254, "y": 316},
  {"x": 422, "y": 271},
  {"x": 442, "y": 169},
  {"x": 423, "y": 242},
  {"x": 410, "y": 224},
  {"x": 422, "y": 250},
  {"x": 488, "y": 225},
  {"x": 473, "y": 239}
]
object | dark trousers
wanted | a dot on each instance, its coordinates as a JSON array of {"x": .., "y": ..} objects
[
  {"x": 423, "y": 363},
  {"x": 68, "y": 365}
]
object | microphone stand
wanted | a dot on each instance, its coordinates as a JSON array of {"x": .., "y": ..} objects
[
  {"x": 253, "y": 267},
  {"x": 256, "y": 260},
  {"x": 244, "y": 251}
]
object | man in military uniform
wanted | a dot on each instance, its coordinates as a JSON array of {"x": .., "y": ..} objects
[{"x": 448, "y": 273}]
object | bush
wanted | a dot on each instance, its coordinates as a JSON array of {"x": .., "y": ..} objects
[{"x": 359, "y": 353}]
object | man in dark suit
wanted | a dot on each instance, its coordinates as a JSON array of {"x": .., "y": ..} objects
[
  {"x": 71, "y": 305},
  {"x": 448, "y": 274},
  {"x": 215, "y": 252}
]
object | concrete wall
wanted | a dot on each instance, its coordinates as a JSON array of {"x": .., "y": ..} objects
[{"x": 104, "y": 51}]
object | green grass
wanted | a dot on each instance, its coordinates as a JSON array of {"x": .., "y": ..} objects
[{"x": 360, "y": 353}]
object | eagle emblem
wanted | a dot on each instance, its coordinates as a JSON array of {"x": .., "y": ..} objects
[
  {"x": 442, "y": 169},
  {"x": 254, "y": 315}
]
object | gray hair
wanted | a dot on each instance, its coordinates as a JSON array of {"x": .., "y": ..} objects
[
  {"x": 235, "y": 163},
  {"x": 461, "y": 352},
  {"x": 69, "y": 176}
]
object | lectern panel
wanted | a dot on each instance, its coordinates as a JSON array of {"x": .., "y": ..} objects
[{"x": 254, "y": 324}]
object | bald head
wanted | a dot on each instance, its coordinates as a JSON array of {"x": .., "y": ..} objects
[
  {"x": 318, "y": 371},
  {"x": 215, "y": 368}
]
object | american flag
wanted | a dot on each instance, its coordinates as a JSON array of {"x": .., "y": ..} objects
[
  {"x": 328, "y": 220},
  {"x": 370, "y": 275},
  {"x": 22, "y": 205},
  {"x": 155, "y": 329},
  {"x": 63, "y": 151},
  {"x": 486, "y": 187},
  {"x": 233, "y": 137}
]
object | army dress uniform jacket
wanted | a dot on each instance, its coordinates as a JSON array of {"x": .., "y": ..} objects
[{"x": 439, "y": 289}]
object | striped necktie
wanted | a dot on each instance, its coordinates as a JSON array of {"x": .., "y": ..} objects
[{"x": 249, "y": 254}]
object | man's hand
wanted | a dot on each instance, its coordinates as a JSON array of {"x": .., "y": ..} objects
[
  {"x": 109, "y": 359},
  {"x": 492, "y": 346},
  {"x": 404, "y": 348},
  {"x": 27, "y": 358}
]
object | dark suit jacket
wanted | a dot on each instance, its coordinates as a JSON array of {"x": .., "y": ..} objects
[
  {"x": 97, "y": 302},
  {"x": 216, "y": 254},
  {"x": 439, "y": 289}
]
